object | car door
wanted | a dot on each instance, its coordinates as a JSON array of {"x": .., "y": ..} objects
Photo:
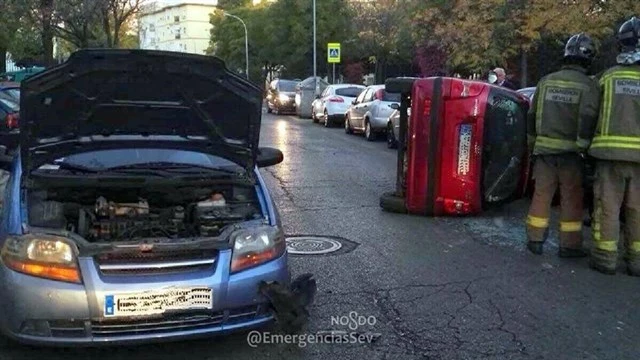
[
  {"x": 353, "y": 110},
  {"x": 364, "y": 107},
  {"x": 319, "y": 107},
  {"x": 382, "y": 106}
]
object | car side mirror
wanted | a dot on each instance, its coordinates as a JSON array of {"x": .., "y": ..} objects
[
  {"x": 354, "y": 102},
  {"x": 269, "y": 156},
  {"x": 318, "y": 96},
  {"x": 395, "y": 106}
]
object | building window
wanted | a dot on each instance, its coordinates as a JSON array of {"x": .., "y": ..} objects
[
  {"x": 176, "y": 19},
  {"x": 177, "y": 35}
]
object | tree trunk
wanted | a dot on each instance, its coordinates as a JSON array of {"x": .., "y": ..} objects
[
  {"x": 47, "y": 32},
  {"x": 47, "y": 44},
  {"x": 3, "y": 59},
  {"x": 523, "y": 68},
  {"x": 107, "y": 28}
]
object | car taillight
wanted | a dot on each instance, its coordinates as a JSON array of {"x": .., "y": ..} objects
[
  {"x": 427, "y": 107},
  {"x": 12, "y": 121},
  {"x": 336, "y": 99},
  {"x": 465, "y": 88}
]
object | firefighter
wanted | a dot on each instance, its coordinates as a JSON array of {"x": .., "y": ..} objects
[
  {"x": 616, "y": 148},
  {"x": 560, "y": 124}
]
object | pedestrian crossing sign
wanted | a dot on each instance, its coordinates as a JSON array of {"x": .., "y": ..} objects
[{"x": 333, "y": 52}]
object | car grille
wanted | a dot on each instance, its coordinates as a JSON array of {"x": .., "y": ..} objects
[
  {"x": 178, "y": 322},
  {"x": 151, "y": 263}
]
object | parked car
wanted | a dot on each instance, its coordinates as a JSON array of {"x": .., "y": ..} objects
[
  {"x": 369, "y": 112},
  {"x": 11, "y": 88},
  {"x": 19, "y": 75},
  {"x": 9, "y": 121},
  {"x": 281, "y": 96},
  {"x": 332, "y": 105},
  {"x": 528, "y": 92},
  {"x": 122, "y": 222},
  {"x": 306, "y": 92},
  {"x": 393, "y": 126}
]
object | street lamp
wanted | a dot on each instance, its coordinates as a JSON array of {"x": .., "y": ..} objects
[
  {"x": 246, "y": 41},
  {"x": 315, "y": 76}
]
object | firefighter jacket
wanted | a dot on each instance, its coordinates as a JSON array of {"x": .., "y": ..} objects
[
  {"x": 564, "y": 112},
  {"x": 617, "y": 135}
]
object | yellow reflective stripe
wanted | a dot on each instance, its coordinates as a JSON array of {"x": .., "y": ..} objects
[
  {"x": 538, "y": 222},
  {"x": 582, "y": 143},
  {"x": 615, "y": 145},
  {"x": 617, "y": 138},
  {"x": 540, "y": 108},
  {"x": 558, "y": 144},
  {"x": 570, "y": 226},
  {"x": 606, "y": 107},
  {"x": 633, "y": 75},
  {"x": 611, "y": 246},
  {"x": 634, "y": 246}
]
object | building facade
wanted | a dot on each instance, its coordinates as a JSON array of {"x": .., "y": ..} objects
[{"x": 176, "y": 26}]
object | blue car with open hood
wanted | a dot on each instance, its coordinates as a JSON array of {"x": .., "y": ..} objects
[{"x": 135, "y": 210}]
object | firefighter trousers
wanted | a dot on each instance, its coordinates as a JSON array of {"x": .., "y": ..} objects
[
  {"x": 549, "y": 173},
  {"x": 617, "y": 184}
]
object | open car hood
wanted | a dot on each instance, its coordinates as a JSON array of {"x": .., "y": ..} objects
[{"x": 109, "y": 98}]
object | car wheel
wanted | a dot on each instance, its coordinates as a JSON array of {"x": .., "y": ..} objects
[
  {"x": 368, "y": 132},
  {"x": 269, "y": 111},
  {"x": 347, "y": 125},
  {"x": 326, "y": 119},
  {"x": 391, "y": 137},
  {"x": 276, "y": 111},
  {"x": 314, "y": 118}
]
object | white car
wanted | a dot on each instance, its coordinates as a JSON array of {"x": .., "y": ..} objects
[
  {"x": 333, "y": 103},
  {"x": 370, "y": 111}
]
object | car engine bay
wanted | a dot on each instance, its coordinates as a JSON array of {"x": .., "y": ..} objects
[{"x": 111, "y": 215}]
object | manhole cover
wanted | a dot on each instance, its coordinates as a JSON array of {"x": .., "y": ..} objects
[{"x": 312, "y": 245}]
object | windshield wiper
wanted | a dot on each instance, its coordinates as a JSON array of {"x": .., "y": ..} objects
[
  {"x": 76, "y": 168},
  {"x": 176, "y": 168}
]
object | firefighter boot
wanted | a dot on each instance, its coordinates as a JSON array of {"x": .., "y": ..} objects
[
  {"x": 633, "y": 263},
  {"x": 603, "y": 261}
]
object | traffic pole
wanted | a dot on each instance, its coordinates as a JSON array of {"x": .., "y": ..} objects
[{"x": 315, "y": 73}]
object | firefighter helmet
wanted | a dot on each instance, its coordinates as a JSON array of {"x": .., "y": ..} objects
[
  {"x": 629, "y": 35},
  {"x": 580, "y": 47}
]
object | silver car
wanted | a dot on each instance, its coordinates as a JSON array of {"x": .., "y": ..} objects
[
  {"x": 369, "y": 113},
  {"x": 135, "y": 212},
  {"x": 334, "y": 103},
  {"x": 393, "y": 127}
]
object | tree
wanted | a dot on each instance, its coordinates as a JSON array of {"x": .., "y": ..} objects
[
  {"x": 115, "y": 15},
  {"x": 280, "y": 36},
  {"x": 379, "y": 28}
]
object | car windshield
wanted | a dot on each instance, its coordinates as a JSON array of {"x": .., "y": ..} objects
[
  {"x": 349, "y": 91},
  {"x": 9, "y": 102},
  {"x": 15, "y": 93},
  {"x": 287, "y": 85},
  {"x": 392, "y": 97},
  {"x": 106, "y": 159}
]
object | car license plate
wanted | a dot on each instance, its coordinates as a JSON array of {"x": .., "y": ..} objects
[
  {"x": 464, "y": 149},
  {"x": 158, "y": 301}
]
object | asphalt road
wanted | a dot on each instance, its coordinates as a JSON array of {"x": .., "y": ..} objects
[{"x": 432, "y": 288}]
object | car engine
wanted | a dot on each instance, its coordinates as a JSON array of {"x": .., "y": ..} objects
[{"x": 151, "y": 215}]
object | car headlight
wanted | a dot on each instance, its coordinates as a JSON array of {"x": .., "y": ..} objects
[
  {"x": 252, "y": 247},
  {"x": 45, "y": 256},
  {"x": 283, "y": 97}
]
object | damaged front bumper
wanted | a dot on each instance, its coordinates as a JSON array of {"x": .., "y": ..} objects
[{"x": 52, "y": 313}]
